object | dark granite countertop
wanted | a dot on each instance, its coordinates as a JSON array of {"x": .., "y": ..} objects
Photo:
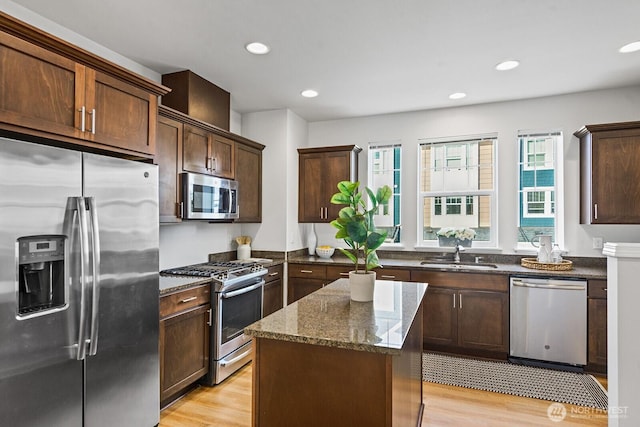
[
  {"x": 328, "y": 317},
  {"x": 586, "y": 268}
]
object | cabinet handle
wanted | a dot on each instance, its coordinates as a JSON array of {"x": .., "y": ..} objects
[
  {"x": 387, "y": 276},
  {"x": 273, "y": 274},
  {"x": 605, "y": 289},
  {"x": 306, "y": 271},
  {"x": 321, "y": 209},
  {"x": 181, "y": 210},
  {"x": 210, "y": 322},
  {"x": 208, "y": 165},
  {"x": 595, "y": 211},
  {"x": 82, "y": 118},
  {"x": 454, "y": 300},
  {"x": 188, "y": 299},
  {"x": 344, "y": 273},
  {"x": 92, "y": 113},
  {"x": 460, "y": 301},
  {"x": 214, "y": 163},
  {"x": 326, "y": 213}
]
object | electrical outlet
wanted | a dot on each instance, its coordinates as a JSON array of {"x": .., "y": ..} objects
[{"x": 597, "y": 243}]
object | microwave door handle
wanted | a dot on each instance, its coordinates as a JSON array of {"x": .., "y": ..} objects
[
  {"x": 242, "y": 291},
  {"x": 95, "y": 299}
]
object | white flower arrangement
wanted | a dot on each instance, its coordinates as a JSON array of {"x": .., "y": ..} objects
[{"x": 462, "y": 233}]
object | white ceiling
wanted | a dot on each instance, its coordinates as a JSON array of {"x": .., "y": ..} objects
[{"x": 369, "y": 57}]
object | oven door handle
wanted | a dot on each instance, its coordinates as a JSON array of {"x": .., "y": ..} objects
[
  {"x": 225, "y": 362},
  {"x": 241, "y": 291}
]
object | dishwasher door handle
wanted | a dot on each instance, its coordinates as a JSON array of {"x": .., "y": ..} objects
[{"x": 565, "y": 287}]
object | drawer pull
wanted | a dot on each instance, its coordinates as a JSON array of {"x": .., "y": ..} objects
[
  {"x": 387, "y": 276},
  {"x": 344, "y": 273},
  {"x": 188, "y": 299},
  {"x": 273, "y": 274},
  {"x": 605, "y": 289},
  {"x": 306, "y": 271}
]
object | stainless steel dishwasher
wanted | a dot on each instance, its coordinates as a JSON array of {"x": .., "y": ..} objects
[{"x": 548, "y": 320}]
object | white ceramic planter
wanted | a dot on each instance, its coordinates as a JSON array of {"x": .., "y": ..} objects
[{"x": 362, "y": 285}]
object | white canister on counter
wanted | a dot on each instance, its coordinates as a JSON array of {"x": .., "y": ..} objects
[{"x": 244, "y": 251}]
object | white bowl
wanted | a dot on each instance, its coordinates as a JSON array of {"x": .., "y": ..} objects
[{"x": 325, "y": 253}]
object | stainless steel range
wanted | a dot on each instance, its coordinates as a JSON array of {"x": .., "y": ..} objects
[{"x": 236, "y": 301}]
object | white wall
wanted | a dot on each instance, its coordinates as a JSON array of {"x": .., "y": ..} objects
[
  {"x": 281, "y": 131},
  {"x": 567, "y": 113}
]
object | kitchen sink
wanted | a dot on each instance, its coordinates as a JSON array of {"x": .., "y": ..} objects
[{"x": 458, "y": 265}]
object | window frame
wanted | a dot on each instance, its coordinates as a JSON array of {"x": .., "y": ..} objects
[
  {"x": 397, "y": 194},
  {"x": 554, "y": 203},
  {"x": 492, "y": 243}
]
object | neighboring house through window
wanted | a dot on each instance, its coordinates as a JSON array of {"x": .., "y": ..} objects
[
  {"x": 538, "y": 186},
  {"x": 457, "y": 187}
]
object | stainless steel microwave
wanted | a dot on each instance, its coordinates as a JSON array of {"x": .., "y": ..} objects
[{"x": 209, "y": 198}]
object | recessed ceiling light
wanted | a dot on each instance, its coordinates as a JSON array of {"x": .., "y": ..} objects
[
  {"x": 457, "y": 95},
  {"x": 257, "y": 48},
  {"x": 309, "y": 93},
  {"x": 631, "y": 47},
  {"x": 507, "y": 65}
]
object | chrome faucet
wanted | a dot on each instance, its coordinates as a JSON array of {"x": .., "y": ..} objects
[{"x": 456, "y": 255}]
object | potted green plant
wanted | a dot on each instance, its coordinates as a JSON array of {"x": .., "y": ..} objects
[{"x": 356, "y": 227}]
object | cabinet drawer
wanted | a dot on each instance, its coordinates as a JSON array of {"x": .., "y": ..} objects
[
  {"x": 311, "y": 271},
  {"x": 184, "y": 300},
  {"x": 393, "y": 274},
  {"x": 479, "y": 281},
  {"x": 335, "y": 272},
  {"x": 273, "y": 273},
  {"x": 597, "y": 289}
]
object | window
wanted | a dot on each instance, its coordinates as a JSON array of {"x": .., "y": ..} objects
[
  {"x": 457, "y": 188},
  {"x": 538, "y": 186},
  {"x": 384, "y": 169}
]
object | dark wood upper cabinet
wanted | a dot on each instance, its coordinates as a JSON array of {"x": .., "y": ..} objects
[
  {"x": 610, "y": 173},
  {"x": 169, "y": 161},
  {"x": 51, "y": 89},
  {"x": 186, "y": 144},
  {"x": 249, "y": 177},
  {"x": 321, "y": 169}
]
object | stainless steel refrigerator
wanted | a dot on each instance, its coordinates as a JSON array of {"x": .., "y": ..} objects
[{"x": 78, "y": 288}]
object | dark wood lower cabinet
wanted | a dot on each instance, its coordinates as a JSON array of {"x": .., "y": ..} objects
[
  {"x": 273, "y": 290},
  {"x": 466, "y": 313},
  {"x": 184, "y": 341},
  {"x": 597, "y": 326}
]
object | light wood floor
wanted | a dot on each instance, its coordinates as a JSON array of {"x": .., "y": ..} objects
[{"x": 229, "y": 405}]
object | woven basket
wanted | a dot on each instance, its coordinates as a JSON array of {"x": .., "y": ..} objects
[{"x": 563, "y": 265}]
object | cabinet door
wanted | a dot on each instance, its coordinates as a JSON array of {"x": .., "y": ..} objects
[
  {"x": 169, "y": 160},
  {"x": 440, "y": 321},
  {"x": 184, "y": 350},
  {"x": 483, "y": 320},
  {"x": 195, "y": 150},
  {"x": 124, "y": 116},
  {"x": 223, "y": 157},
  {"x": 249, "y": 177},
  {"x": 615, "y": 177},
  {"x": 272, "y": 297},
  {"x": 336, "y": 168},
  {"x": 597, "y": 326},
  {"x": 299, "y": 287},
  {"x": 311, "y": 195},
  {"x": 39, "y": 89}
]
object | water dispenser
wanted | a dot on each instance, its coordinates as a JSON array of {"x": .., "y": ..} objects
[{"x": 41, "y": 275}]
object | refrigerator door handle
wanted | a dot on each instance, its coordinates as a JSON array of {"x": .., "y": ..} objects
[
  {"x": 95, "y": 283},
  {"x": 84, "y": 268}
]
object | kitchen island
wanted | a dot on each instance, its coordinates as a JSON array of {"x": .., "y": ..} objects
[{"x": 325, "y": 360}]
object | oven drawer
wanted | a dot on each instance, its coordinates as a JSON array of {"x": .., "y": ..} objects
[{"x": 184, "y": 299}]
